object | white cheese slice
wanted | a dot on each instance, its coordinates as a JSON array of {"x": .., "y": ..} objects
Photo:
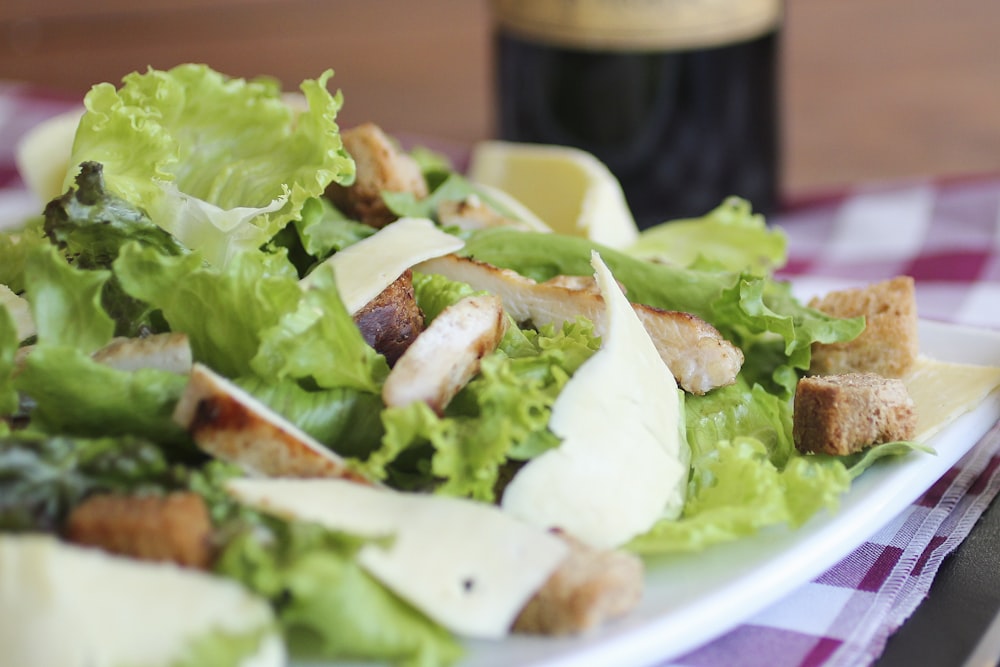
[
  {"x": 943, "y": 391},
  {"x": 363, "y": 270},
  {"x": 73, "y": 606},
  {"x": 467, "y": 565},
  {"x": 623, "y": 460}
]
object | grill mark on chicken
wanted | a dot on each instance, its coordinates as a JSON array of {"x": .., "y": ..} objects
[
  {"x": 694, "y": 351},
  {"x": 392, "y": 321},
  {"x": 447, "y": 354}
]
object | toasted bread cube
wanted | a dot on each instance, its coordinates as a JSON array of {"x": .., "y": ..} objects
[
  {"x": 174, "y": 528},
  {"x": 843, "y": 414},
  {"x": 591, "y": 587},
  {"x": 889, "y": 344}
]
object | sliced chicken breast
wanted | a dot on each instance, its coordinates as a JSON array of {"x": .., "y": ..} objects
[
  {"x": 447, "y": 354},
  {"x": 694, "y": 351}
]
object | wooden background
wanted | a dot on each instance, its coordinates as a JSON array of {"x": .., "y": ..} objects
[{"x": 873, "y": 89}]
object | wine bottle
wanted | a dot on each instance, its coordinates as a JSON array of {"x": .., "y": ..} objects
[{"x": 678, "y": 97}]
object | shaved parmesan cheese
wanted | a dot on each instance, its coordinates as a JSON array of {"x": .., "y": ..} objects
[
  {"x": 366, "y": 268},
  {"x": 623, "y": 460},
  {"x": 78, "y": 607},
  {"x": 467, "y": 565},
  {"x": 943, "y": 391}
]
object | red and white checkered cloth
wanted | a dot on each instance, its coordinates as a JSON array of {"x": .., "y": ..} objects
[{"x": 946, "y": 234}]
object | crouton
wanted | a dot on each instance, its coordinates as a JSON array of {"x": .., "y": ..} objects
[
  {"x": 380, "y": 166},
  {"x": 589, "y": 588},
  {"x": 843, "y": 414},
  {"x": 888, "y": 345},
  {"x": 174, "y": 528}
]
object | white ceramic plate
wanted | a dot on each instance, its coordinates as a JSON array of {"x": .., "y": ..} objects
[{"x": 691, "y": 599}]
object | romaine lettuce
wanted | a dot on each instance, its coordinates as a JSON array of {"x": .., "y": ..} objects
[{"x": 221, "y": 163}]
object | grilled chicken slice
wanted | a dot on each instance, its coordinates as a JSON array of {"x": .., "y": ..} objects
[
  {"x": 694, "y": 351},
  {"x": 232, "y": 425},
  {"x": 473, "y": 213},
  {"x": 167, "y": 351},
  {"x": 392, "y": 321},
  {"x": 381, "y": 166},
  {"x": 447, "y": 354},
  {"x": 588, "y": 589}
]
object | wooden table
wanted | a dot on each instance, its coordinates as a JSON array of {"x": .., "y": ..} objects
[{"x": 873, "y": 89}]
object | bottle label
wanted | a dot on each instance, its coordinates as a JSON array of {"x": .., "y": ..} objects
[{"x": 638, "y": 25}]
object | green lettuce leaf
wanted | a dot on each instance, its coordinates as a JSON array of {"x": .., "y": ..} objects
[
  {"x": 90, "y": 226},
  {"x": 739, "y": 408},
  {"x": 66, "y": 302},
  {"x": 730, "y": 237},
  {"x": 9, "y": 344},
  {"x": 221, "y": 163},
  {"x": 735, "y": 491},
  {"x": 75, "y": 395},
  {"x": 499, "y": 418},
  {"x": 323, "y": 229},
  {"x": 291, "y": 348},
  {"x": 861, "y": 461},
  {"x": 15, "y": 246},
  {"x": 329, "y": 608},
  {"x": 346, "y": 420},
  {"x": 224, "y": 311}
]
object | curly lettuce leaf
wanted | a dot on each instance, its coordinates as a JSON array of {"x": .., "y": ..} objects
[
  {"x": 744, "y": 409},
  {"x": 223, "y": 164},
  {"x": 323, "y": 230},
  {"x": 500, "y": 417},
  {"x": 66, "y": 302},
  {"x": 320, "y": 341},
  {"x": 15, "y": 246},
  {"x": 90, "y": 225},
  {"x": 328, "y": 606},
  {"x": 75, "y": 395},
  {"x": 224, "y": 311},
  {"x": 730, "y": 237},
  {"x": 735, "y": 490},
  {"x": 346, "y": 420}
]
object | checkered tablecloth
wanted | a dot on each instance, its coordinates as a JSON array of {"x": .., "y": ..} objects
[{"x": 944, "y": 233}]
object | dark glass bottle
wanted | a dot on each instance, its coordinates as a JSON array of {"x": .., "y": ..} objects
[{"x": 682, "y": 128}]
